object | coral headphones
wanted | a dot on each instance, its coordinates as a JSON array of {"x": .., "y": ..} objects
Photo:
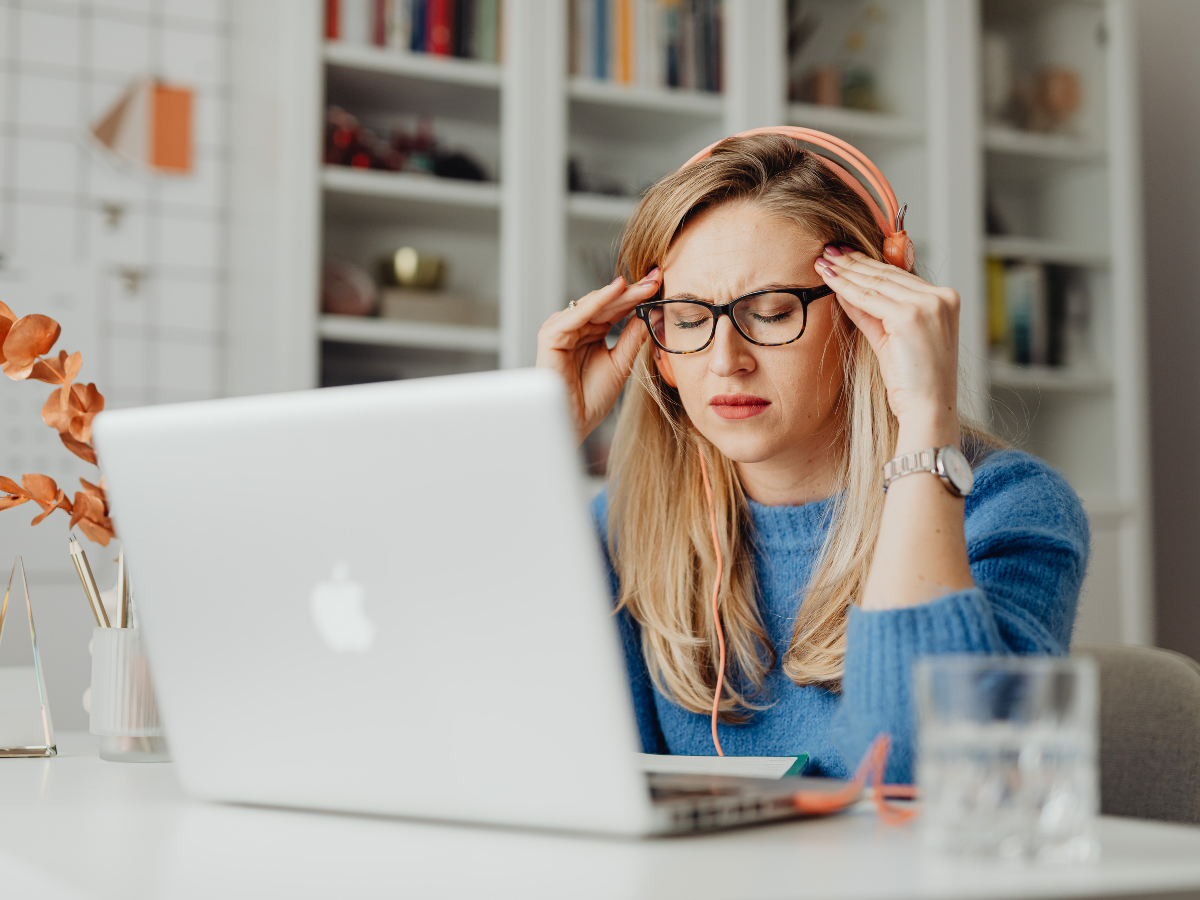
[{"x": 897, "y": 246}]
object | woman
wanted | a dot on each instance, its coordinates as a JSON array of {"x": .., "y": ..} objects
[{"x": 831, "y": 587}]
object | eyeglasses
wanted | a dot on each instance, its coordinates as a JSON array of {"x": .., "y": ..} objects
[{"x": 769, "y": 318}]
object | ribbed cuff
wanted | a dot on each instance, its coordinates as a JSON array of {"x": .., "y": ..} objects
[{"x": 881, "y": 647}]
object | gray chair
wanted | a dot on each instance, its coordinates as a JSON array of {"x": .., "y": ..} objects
[{"x": 1149, "y": 732}]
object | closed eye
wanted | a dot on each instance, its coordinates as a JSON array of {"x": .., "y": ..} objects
[{"x": 770, "y": 318}]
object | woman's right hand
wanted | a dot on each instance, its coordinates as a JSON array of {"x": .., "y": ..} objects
[{"x": 572, "y": 343}]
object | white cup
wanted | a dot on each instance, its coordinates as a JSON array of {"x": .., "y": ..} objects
[{"x": 123, "y": 710}]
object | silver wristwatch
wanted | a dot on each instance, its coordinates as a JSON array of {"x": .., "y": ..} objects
[{"x": 947, "y": 463}]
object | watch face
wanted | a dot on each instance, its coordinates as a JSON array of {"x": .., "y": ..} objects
[{"x": 957, "y": 469}]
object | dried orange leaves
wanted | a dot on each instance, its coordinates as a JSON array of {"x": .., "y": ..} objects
[
  {"x": 71, "y": 409},
  {"x": 91, "y": 513},
  {"x": 27, "y": 339}
]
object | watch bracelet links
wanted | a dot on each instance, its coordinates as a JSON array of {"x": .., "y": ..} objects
[{"x": 909, "y": 464}]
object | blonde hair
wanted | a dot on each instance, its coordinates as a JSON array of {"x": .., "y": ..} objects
[{"x": 659, "y": 537}]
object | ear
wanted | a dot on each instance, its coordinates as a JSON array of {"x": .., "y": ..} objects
[{"x": 663, "y": 362}]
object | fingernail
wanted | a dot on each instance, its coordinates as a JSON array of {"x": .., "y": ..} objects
[
  {"x": 616, "y": 280},
  {"x": 650, "y": 276},
  {"x": 832, "y": 250},
  {"x": 826, "y": 269}
]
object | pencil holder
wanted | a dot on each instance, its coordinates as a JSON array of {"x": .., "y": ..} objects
[{"x": 123, "y": 710}]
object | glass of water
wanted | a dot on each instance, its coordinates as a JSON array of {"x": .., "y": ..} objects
[{"x": 1007, "y": 757}]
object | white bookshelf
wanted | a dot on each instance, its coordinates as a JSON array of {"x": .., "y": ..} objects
[{"x": 529, "y": 245}]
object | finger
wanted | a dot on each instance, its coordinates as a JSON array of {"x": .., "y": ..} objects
[
  {"x": 854, "y": 260},
  {"x": 633, "y": 335},
  {"x": 621, "y": 305},
  {"x": 861, "y": 288},
  {"x": 871, "y": 327}
]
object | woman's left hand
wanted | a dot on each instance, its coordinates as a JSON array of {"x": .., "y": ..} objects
[{"x": 913, "y": 328}]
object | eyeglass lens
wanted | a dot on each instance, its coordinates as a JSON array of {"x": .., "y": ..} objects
[{"x": 684, "y": 326}]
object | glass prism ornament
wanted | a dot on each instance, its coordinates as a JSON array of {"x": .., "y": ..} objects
[{"x": 25, "y": 726}]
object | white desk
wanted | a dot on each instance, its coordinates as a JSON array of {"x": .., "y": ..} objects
[{"x": 75, "y": 827}]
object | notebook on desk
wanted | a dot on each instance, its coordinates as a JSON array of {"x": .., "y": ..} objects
[{"x": 378, "y": 581}]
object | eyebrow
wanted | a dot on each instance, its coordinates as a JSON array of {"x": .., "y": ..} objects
[{"x": 770, "y": 286}]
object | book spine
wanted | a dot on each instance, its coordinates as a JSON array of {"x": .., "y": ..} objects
[
  {"x": 996, "y": 305},
  {"x": 417, "y": 29},
  {"x": 586, "y": 20},
  {"x": 671, "y": 36},
  {"x": 624, "y": 21},
  {"x": 379, "y": 24},
  {"x": 356, "y": 21},
  {"x": 687, "y": 45},
  {"x": 485, "y": 28},
  {"x": 439, "y": 33},
  {"x": 645, "y": 42},
  {"x": 333, "y": 31},
  {"x": 600, "y": 37},
  {"x": 399, "y": 34}
]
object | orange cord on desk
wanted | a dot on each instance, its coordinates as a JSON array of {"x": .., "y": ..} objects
[{"x": 874, "y": 761}]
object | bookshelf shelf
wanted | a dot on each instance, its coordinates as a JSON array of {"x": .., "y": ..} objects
[
  {"x": 600, "y": 208},
  {"x": 676, "y": 101},
  {"x": 1048, "y": 378},
  {"x": 405, "y": 186},
  {"x": 1046, "y": 251},
  {"x": 853, "y": 122},
  {"x": 414, "y": 65},
  {"x": 396, "y": 333},
  {"x": 1041, "y": 146}
]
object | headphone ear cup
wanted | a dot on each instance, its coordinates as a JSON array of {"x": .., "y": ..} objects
[
  {"x": 898, "y": 251},
  {"x": 663, "y": 362}
]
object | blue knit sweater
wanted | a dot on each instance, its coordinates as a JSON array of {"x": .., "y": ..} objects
[{"x": 1027, "y": 539}]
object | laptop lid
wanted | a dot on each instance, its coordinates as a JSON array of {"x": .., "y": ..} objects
[{"x": 384, "y": 599}]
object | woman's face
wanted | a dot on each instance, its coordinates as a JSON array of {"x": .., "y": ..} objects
[{"x": 754, "y": 403}]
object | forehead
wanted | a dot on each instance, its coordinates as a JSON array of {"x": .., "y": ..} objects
[{"x": 733, "y": 249}]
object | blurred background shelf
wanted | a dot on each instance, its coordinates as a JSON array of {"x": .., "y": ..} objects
[
  {"x": 1043, "y": 250},
  {"x": 405, "y": 186},
  {"x": 396, "y": 333},
  {"x": 600, "y": 207},
  {"x": 416, "y": 65},
  {"x": 675, "y": 101},
  {"x": 846, "y": 122},
  {"x": 1047, "y": 378},
  {"x": 998, "y": 139}
]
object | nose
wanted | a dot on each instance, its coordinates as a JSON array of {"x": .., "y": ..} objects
[{"x": 730, "y": 351}]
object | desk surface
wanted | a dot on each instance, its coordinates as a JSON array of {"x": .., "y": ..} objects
[{"x": 77, "y": 827}]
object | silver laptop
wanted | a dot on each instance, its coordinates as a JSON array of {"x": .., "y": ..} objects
[{"x": 389, "y": 599}]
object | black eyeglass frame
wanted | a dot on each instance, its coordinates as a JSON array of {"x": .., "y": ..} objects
[{"x": 806, "y": 296}]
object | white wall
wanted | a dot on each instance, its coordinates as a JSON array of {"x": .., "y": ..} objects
[
  {"x": 1170, "y": 97},
  {"x": 61, "y": 65}
]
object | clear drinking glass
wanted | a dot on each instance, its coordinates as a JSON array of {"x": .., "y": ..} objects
[
  {"x": 1007, "y": 756},
  {"x": 123, "y": 709}
]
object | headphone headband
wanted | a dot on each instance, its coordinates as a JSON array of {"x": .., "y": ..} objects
[{"x": 887, "y": 211}]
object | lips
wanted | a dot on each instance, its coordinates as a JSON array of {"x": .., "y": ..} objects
[{"x": 738, "y": 406}]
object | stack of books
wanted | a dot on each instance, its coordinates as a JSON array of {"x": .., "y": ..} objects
[
  {"x": 1038, "y": 314},
  {"x": 651, "y": 43},
  {"x": 468, "y": 29}
]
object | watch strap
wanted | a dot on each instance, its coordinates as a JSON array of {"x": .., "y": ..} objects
[{"x": 909, "y": 464}]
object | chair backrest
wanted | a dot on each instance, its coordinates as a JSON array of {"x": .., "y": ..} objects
[{"x": 1149, "y": 732}]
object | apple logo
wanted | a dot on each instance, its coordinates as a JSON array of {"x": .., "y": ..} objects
[{"x": 338, "y": 612}]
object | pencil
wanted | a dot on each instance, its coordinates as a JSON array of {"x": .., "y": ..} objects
[
  {"x": 122, "y": 591},
  {"x": 88, "y": 580}
]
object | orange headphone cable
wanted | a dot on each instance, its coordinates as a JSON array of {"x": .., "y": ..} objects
[{"x": 712, "y": 517}]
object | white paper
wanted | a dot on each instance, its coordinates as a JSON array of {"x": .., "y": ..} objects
[{"x": 744, "y": 766}]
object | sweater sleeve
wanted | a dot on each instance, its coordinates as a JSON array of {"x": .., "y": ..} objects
[
  {"x": 640, "y": 686},
  {"x": 1027, "y": 540}
]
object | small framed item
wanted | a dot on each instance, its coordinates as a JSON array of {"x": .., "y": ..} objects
[{"x": 947, "y": 463}]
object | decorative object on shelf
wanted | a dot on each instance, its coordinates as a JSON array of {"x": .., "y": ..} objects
[
  {"x": 350, "y": 143},
  {"x": 1046, "y": 101},
  {"x": 410, "y": 268},
  {"x": 25, "y": 726},
  {"x": 150, "y": 126},
  {"x": 583, "y": 181},
  {"x": 408, "y": 305},
  {"x": 468, "y": 29},
  {"x": 651, "y": 43},
  {"x": 848, "y": 79},
  {"x": 1038, "y": 314},
  {"x": 347, "y": 290},
  {"x": 69, "y": 410}
]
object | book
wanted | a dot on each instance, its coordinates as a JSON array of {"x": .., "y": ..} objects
[
  {"x": 996, "y": 304},
  {"x": 440, "y": 27},
  {"x": 1025, "y": 297},
  {"x": 743, "y": 766}
]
